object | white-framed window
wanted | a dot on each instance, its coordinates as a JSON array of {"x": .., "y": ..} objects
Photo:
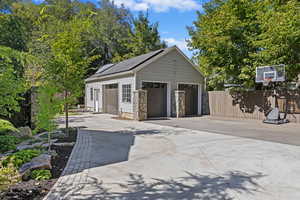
[
  {"x": 92, "y": 94},
  {"x": 126, "y": 93}
]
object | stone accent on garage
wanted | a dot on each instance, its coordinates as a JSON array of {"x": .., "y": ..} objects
[
  {"x": 180, "y": 103},
  {"x": 126, "y": 115},
  {"x": 140, "y": 105}
]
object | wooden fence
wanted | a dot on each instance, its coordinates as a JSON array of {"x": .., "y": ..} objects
[{"x": 252, "y": 105}]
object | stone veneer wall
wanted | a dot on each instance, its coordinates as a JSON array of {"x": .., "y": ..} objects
[
  {"x": 180, "y": 103},
  {"x": 140, "y": 105}
]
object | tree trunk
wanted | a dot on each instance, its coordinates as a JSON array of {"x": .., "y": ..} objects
[
  {"x": 49, "y": 141},
  {"x": 67, "y": 112}
]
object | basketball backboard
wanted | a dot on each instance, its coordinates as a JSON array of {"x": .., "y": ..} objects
[{"x": 275, "y": 73}]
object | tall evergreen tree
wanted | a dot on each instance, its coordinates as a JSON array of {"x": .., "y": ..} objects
[{"x": 143, "y": 38}]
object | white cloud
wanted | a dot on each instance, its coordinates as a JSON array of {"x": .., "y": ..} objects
[
  {"x": 182, "y": 44},
  {"x": 132, "y": 4},
  {"x": 159, "y": 5}
]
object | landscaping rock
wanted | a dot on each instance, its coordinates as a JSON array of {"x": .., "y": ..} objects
[
  {"x": 23, "y": 146},
  {"x": 64, "y": 144},
  {"x": 24, "y": 132},
  {"x": 46, "y": 144},
  {"x": 41, "y": 135},
  {"x": 41, "y": 162},
  {"x": 3, "y": 155}
]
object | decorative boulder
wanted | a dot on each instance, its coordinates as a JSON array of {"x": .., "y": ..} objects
[
  {"x": 25, "y": 132},
  {"x": 41, "y": 162},
  {"x": 64, "y": 144}
]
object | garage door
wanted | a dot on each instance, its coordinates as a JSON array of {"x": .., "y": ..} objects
[
  {"x": 156, "y": 99},
  {"x": 191, "y": 98},
  {"x": 111, "y": 99}
]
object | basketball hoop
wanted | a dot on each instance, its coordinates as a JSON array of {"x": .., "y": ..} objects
[{"x": 267, "y": 81}]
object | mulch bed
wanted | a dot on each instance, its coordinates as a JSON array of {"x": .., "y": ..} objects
[{"x": 36, "y": 190}]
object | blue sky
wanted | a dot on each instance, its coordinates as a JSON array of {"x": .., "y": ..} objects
[{"x": 172, "y": 15}]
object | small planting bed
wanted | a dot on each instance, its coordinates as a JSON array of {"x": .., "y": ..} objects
[{"x": 37, "y": 189}]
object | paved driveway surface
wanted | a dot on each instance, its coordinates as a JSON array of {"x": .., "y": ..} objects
[
  {"x": 255, "y": 129},
  {"x": 127, "y": 160}
]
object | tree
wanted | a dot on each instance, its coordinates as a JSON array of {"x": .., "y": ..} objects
[
  {"x": 11, "y": 82},
  {"x": 233, "y": 37},
  {"x": 13, "y": 32},
  {"x": 48, "y": 106},
  {"x": 280, "y": 36},
  {"x": 67, "y": 66},
  {"x": 143, "y": 38}
]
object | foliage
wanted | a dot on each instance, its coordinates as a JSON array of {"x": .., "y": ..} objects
[
  {"x": 12, "y": 84},
  {"x": 48, "y": 107},
  {"x": 21, "y": 157},
  {"x": 7, "y": 127},
  {"x": 13, "y": 32},
  {"x": 8, "y": 176},
  {"x": 41, "y": 174},
  {"x": 143, "y": 38},
  {"x": 232, "y": 38},
  {"x": 8, "y": 143},
  {"x": 280, "y": 36},
  {"x": 63, "y": 42}
]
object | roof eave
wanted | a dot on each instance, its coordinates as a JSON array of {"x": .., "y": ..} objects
[{"x": 91, "y": 79}]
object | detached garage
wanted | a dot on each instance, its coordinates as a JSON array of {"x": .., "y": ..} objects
[{"x": 163, "y": 83}]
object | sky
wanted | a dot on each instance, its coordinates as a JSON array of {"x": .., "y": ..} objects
[{"x": 173, "y": 17}]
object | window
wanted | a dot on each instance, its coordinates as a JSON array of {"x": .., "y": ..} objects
[
  {"x": 92, "y": 94},
  {"x": 126, "y": 93}
]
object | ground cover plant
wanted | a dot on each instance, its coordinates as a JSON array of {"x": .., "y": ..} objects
[
  {"x": 8, "y": 143},
  {"x": 7, "y": 127},
  {"x": 21, "y": 157},
  {"x": 41, "y": 174}
]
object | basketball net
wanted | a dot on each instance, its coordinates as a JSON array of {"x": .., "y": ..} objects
[{"x": 267, "y": 81}]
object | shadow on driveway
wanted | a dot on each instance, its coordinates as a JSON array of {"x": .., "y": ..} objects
[{"x": 189, "y": 187}]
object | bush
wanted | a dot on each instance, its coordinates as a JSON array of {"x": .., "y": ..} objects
[
  {"x": 8, "y": 176},
  {"x": 41, "y": 174},
  {"x": 8, "y": 143},
  {"x": 21, "y": 157},
  {"x": 6, "y": 127}
]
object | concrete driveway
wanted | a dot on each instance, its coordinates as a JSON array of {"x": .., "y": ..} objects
[
  {"x": 128, "y": 160},
  {"x": 254, "y": 129}
]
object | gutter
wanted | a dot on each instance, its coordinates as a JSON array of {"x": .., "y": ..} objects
[{"x": 108, "y": 76}]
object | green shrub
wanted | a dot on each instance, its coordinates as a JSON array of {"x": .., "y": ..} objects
[
  {"x": 8, "y": 142},
  {"x": 41, "y": 174},
  {"x": 7, "y": 127},
  {"x": 21, "y": 157},
  {"x": 8, "y": 176}
]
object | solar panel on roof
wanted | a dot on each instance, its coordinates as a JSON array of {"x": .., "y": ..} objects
[{"x": 103, "y": 68}]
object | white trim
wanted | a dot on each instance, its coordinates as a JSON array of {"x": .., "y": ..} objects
[
  {"x": 199, "y": 99},
  {"x": 96, "y": 105},
  {"x": 199, "y": 111},
  {"x": 168, "y": 93},
  {"x": 108, "y": 76}
]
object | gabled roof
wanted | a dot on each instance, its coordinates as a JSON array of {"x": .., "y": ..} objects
[
  {"x": 132, "y": 64},
  {"x": 125, "y": 65}
]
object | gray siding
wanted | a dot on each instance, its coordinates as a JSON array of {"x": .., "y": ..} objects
[
  {"x": 123, "y": 107},
  {"x": 172, "y": 68}
]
